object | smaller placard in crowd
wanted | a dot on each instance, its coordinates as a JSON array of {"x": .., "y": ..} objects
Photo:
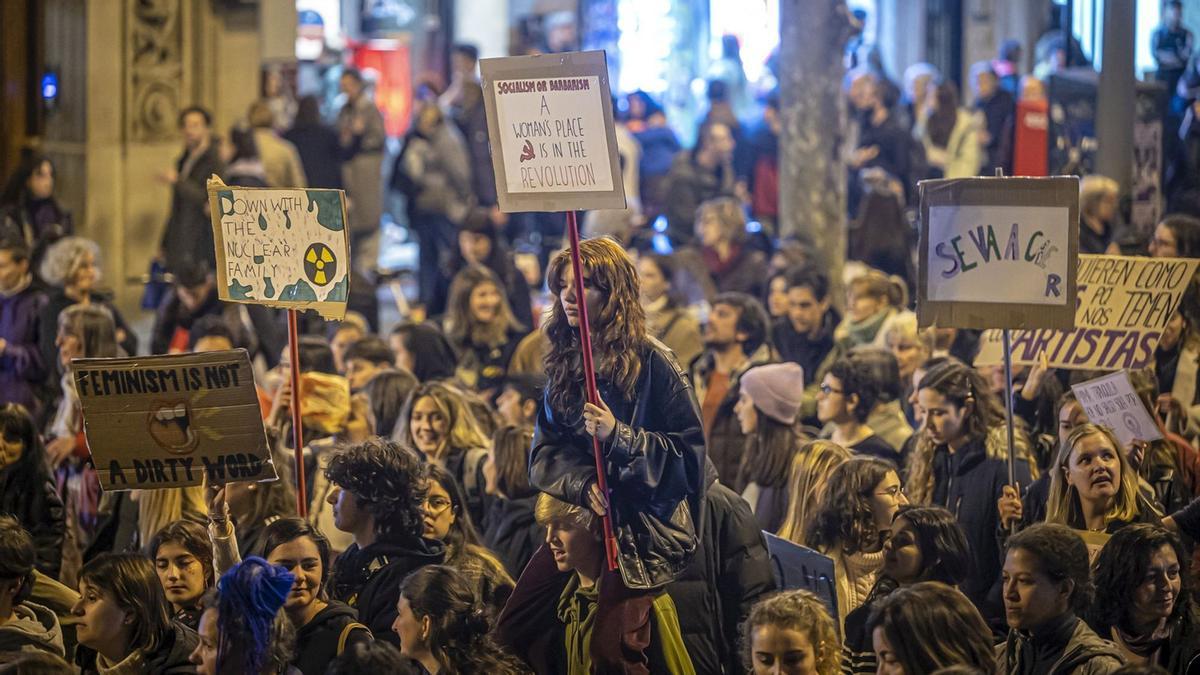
[
  {"x": 797, "y": 566},
  {"x": 998, "y": 252},
  {"x": 1113, "y": 402},
  {"x": 550, "y": 123},
  {"x": 169, "y": 421},
  {"x": 1125, "y": 303},
  {"x": 283, "y": 248}
]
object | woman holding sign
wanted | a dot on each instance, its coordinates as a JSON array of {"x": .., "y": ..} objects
[
  {"x": 959, "y": 462},
  {"x": 1093, "y": 487},
  {"x": 648, "y": 428}
]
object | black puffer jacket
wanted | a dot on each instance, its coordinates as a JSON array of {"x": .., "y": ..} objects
[
  {"x": 969, "y": 483},
  {"x": 730, "y": 572},
  {"x": 369, "y": 579},
  {"x": 510, "y": 531},
  {"x": 655, "y": 460},
  {"x": 318, "y": 640}
]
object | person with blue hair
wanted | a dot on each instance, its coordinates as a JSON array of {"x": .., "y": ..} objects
[{"x": 243, "y": 629}]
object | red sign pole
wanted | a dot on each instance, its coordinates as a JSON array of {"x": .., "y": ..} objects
[
  {"x": 297, "y": 424},
  {"x": 589, "y": 376}
]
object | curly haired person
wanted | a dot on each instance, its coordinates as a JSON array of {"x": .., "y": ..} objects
[{"x": 378, "y": 495}]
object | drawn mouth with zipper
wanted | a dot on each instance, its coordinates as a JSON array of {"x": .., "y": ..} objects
[{"x": 170, "y": 426}]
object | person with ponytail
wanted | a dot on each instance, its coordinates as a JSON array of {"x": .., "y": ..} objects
[
  {"x": 324, "y": 628},
  {"x": 447, "y": 521},
  {"x": 444, "y": 628},
  {"x": 960, "y": 462},
  {"x": 244, "y": 630}
]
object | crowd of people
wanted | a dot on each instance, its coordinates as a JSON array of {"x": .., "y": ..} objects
[{"x": 455, "y": 520}]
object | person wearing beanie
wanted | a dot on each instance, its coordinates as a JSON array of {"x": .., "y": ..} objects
[
  {"x": 243, "y": 628},
  {"x": 767, "y": 411}
]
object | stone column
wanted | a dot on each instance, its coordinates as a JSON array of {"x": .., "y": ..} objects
[
  {"x": 812, "y": 171},
  {"x": 1115, "y": 98}
]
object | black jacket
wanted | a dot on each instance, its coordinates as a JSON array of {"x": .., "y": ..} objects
[
  {"x": 797, "y": 348},
  {"x": 969, "y": 483},
  {"x": 655, "y": 460},
  {"x": 320, "y": 154},
  {"x": 188, "y": 236},
  {"x": 369, "y": 579},
  {"x": 28, "y": 493},
  {"x": 173, "y": 315},
  {"x": 317, "y": 641},
  {"x": 730, "y": 572},
  {"x": 510, "y": 531}
]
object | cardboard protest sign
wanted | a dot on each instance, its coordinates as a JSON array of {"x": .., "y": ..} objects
[
  {"x": 551, "y": 128},
  {"x": 167, "y": 421},
  {"x": 998, "y": 252},
  {"x": 1125, "y": 303},
  {"x": 281, "y": 247},
  {"x": 1112, "y": 401}
]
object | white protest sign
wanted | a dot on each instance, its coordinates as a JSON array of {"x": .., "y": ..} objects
[
  {"x": 551, "y": 129},
  {"x": 1112, "y": 401},
  {"x": 1124, "y": 305},
  {"x": 1005, "y": 254},
  {"x": 281, "y": 247},
  {"x": 998, "y": 252}
]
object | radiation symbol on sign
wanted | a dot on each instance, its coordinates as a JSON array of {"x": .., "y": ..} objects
[{"x": 320, "y": 265}]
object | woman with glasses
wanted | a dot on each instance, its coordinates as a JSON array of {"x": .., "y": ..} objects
[
  {"x": 847, "y": 395},
  {"x": 447, "y": 521},
  {"x": 852, "y": 523},
  {"x": 960, "y": 463}
]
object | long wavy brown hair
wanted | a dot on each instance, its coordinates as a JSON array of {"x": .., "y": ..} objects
[
  {"x": 618, "y": 329},
  {"x": 462, "y": 328}
]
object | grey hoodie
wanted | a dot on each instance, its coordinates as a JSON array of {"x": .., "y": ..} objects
[{"x": 31, "y": 626}]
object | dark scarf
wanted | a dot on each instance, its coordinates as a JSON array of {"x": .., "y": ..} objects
[{"x": 1144, "y": 645}]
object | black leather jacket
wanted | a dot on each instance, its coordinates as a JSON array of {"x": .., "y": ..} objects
[{"x": 655, "y": 462}]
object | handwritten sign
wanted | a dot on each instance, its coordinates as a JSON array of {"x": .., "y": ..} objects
[
  {"x": 551, "y": 128},
  {"x": 796, "y": 566},
  {"x": 168, "y": 421},
  {"x": 1125, "y": 303},
  {"x": 1112, "y": 401},
  {"x": 281, "y": 247},
  {"x": 998, "y": 252}
]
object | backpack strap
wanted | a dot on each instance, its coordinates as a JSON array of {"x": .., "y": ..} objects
[{"x": 345, "y": 635}]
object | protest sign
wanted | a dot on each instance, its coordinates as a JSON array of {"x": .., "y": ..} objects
[
  {"x": 167, "y": 421},
  {"x": 1112, "y": 401},
  {"x": 281, "y": 247},
  {"x": 796, "y": 566},
  {"x": 551, "y": 128},
  {"x": 1125, "y": 303},
  {"x": 998, "y": 252}
]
